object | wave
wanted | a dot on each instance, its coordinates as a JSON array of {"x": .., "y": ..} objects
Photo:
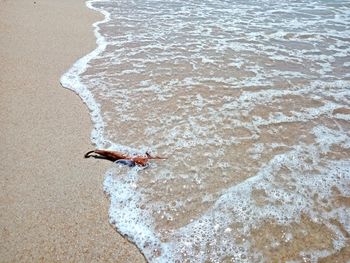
[{"x": 249, "y": 101}]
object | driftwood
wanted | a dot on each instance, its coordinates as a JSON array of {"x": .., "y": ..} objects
[{"x": 114, "y": 156}]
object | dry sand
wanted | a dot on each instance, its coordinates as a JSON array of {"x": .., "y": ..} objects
[{"x": 52, "y": 203}]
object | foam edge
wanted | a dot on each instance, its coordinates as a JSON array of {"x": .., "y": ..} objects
[{"x": 72, "y": 81}]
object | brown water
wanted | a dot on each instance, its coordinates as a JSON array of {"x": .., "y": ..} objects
[{"x": 250, "y": 101}]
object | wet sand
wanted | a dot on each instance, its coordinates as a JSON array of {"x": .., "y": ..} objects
[{"x": 52, "y": 203}]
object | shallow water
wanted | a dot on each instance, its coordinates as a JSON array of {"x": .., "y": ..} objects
[{"x": 250, "y": 101}]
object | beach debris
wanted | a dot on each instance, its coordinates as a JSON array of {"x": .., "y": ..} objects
[{"x": 114, "y": 156}]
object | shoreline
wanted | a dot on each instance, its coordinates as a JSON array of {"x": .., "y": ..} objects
[
  {"x": 52, "y": 199},
  {"x": 71, "y": 78}
]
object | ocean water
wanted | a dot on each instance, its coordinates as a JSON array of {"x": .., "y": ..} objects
[{"x": 250, "y": 102}]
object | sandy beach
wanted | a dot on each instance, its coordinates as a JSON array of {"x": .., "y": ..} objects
[{"x": 53, "y": 207}]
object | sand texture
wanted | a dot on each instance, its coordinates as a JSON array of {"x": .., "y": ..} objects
[{"x": 52, "y": 203}]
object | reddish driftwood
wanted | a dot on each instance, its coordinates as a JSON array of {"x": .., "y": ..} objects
[{"x": 118, "y": 156}]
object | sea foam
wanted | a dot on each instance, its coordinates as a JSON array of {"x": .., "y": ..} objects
[{"x": 250, "y": 102}]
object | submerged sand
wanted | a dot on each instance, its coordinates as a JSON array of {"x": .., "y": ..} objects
[{"x": 52, "y": 203}]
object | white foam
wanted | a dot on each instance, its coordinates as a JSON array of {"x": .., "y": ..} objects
[
  {"x": 223, "y": 76},
  {"x": 125, "y": 213},
  {"x": 72, "y": 80}
]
